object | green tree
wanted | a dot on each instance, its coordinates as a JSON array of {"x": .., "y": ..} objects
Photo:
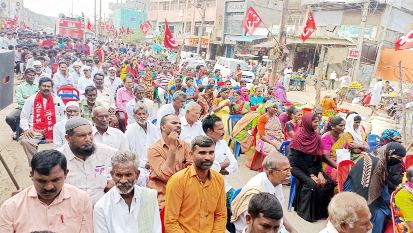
[{"x": 135, "y": 37}]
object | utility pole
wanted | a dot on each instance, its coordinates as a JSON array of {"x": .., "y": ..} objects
[
  {"x": 383, "y": 36},
  {"x": 319, "y": 77},
  {"x": 403, "y": 101},
  {"x": 201, "y": 28},
  {"x": 277, "y": 62},
  {"x": 95, "y": 22},
  {"x": 361, "y": 39},
  {"x": 100, "y": 14}
]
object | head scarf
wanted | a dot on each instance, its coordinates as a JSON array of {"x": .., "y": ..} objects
[
  {"x": 244, "y": 97},
  {"x": 279, "y": 92},
  {"x": 369, "y": 176},
  {"x": 355, "y": 133},
  {"x": 202, "y": 72},
  {"x": 306, "y": 139},
  {"x": 387, "y": 137}
]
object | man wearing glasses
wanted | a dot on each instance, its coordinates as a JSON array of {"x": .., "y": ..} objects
[
  {"x": 105, "y": 134},
  {"x": 277, "y": 171},
  {"x": 139, "y": 92}
]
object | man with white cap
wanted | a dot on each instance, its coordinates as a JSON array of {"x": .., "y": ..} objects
[
  {"x": 112, "y": 82},
  {"x": 84, "y": 81},
  {"x": 38, "y": 69},
  {"x": 76, "y": 73},
  {"x": 87, "y": 161},
  {"x": 59, "y": 132}
]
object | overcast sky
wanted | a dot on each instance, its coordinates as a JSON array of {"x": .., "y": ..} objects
[{"x": 54, "y": 7}]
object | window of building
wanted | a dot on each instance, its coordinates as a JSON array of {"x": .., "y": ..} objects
[
  {"x": 164, "y": 6},
  {"x": 190, "y": 4},
  {"x": 211, "y": 3},
  {"x": 182, "y": 5},
  {"x": 174, "y": 5},
  {"x": 188, "y": 27},
  {"x": 297, "y": 20}
]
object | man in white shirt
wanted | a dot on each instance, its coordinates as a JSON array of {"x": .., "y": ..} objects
[
  {"x": 176, "y": 107},
  {"x": 112, "y": 82},
  {"x": 348, "y": 212},
  {"x": 87, "y": 161},
  {"x": 277, "y": 171},
  {"x": 104, "y": 134},
  {"x": 104, "y": 96},
  {"x": 62, "y": 77},
  {"x": 287, "y": 77},
  {"x": 127, "y": 207},
  {"x": 39, "y": 73},
  {"x": 33, "y": 133},
  {"x": 77, "y": 72},
  {"x": 191, "y": 61},
  {"x": 225, "y": 162},
  {"x": 59, "y": 131},
  {"x": 9, "y": 40},
  {"x": 140, "y": 136},
  {"x": 191, "y": 125},
  {"x": 84, "y": 81},
  {"x": 333, "y": 78},
  {"x": 139, "y": 92},
  {"x": 345, "y": 82}
]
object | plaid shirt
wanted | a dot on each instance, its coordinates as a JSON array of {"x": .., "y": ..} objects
[{"x": 85, "y": 111}]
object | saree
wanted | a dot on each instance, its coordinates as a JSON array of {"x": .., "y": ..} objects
[
  {"x": 279, "y": 92},
  {"x": 274, "y": 132},
  {"x": 206, "y": 103},
  {"x": 398, "y": 218},
  {"x": 286, "y": 134},
  {"x": 327, "y": 106},
  {"x": 224, "y": 114},
  {"x": 146, "y": 81},
  {"x": 124, "y": 71},
  {"x": 242, "y": 109}
]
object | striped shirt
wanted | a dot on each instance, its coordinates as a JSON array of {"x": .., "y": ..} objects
[{"x": 163, "y": 79}]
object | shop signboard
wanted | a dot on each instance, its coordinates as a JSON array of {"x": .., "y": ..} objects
[
  {"x": 353, "y": 53},
  {"x": 193, "y": 41},
  {"x": 69, "y": 27}
]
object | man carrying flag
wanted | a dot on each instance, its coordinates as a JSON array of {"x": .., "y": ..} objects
[
  {"x": 309, "y": 28},
  {"x": 169, "y": 41}
]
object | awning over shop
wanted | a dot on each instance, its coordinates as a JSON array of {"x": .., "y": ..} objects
[
  {"x": 271, "y": 43},
  {"x": 246, "y": 38},
  {"x": 245, "y": 55}
]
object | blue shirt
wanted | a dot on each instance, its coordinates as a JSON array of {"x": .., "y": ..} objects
[
  {"x": 256, "y": 100},
  {"x": 217, "y": 78}
]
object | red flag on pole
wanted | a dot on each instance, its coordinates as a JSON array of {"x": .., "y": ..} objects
[
  {"x": 23, "y": 26},
  {"x": 122, "y": 30},
  {"x": 102, "y": 25},
  {"x": 404, "y": 42},
  {"x": 112, "y": 28},
  {"x": 116, "y": 34},
  {"x": 90, "y": 27},
  {"x": 106, "y": 28},
  {"x": 127, "y": 31},
  {"x": 146, "y": 27},
  {"x": 309, "y": 28},
  {"x": 251, "y": 21},
  {"x": 8, "y": 24},
  {"x": 16, "y": 19},
  {"x": 169, "y": 41}
]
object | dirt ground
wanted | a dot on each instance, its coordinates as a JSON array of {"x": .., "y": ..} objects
[{"x": 16, "y": 159}]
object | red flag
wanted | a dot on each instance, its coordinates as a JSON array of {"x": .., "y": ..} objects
[
  {"x": 106, "y": 28},
  {"x": 102, "y": 25},
  {"x": 404, "y": 42},
  {"x": 122, "y": 30},
  {"x": 112, "y": 28},
  {"x": 146, "y": 27},
  {"x": 8, "y": 24},
  {"x": 309, "y": 28},
  {"x": 251, "y": 21},
  {"x": 169, "y": 41},
  {"x": 23, "y": 26},
  {"x": 116, "y": 34},
  {"x": 16, "y": 19},
  {"x": 90, "y": 27},
  {"x": 127, "y": 31}
]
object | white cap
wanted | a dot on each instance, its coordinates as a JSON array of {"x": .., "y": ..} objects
[
  {"x": 87, "y": 68},
  {"x": 37, "y": 63},
  {"x": 112, "y": 68},
  {"x": 76, "y": 64},
  {"x": 72, "y": 103}
]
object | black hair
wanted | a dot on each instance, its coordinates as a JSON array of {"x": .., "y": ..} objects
[
  {"x": 41, "y": 58},
  {"x": 98, "y": 74},
  {"x": 201, "y": 141},
  {"x": 90, "y": 88},
  {"x": 43, "y": 80},
  {"x": 209, "y": 122},
  {"x": 242, "y": 81},
  {"x": 352, "y": 112},
  {"x": 315, "y": 116},
  {"x": 89, "y": 60},
  {"x": 145, "y": 66},
  {"x": 209, "y": 86},
  {"x": 201, "y": 88},
  {"x": 42, "y": 162},
  {"x": 265, "y": 204},
  {"x": 290, "y": 109},
  {"x": 198, "y": 67},
  {"x": 29, "y": 70},
  {"x": 11, "y": 47},
  {"x": 266, "y": 99},
  {"x": 216, "y": 71},
  {"x": 357, "y": 118},
  {"x": 334, "y": 121},
  {"x": 228, "y": 81},
  {"x": 164, "y": 118},
  {"x": 62, "y": 62},
  {"x": 189, "y": 78},
  {"x": 128, "y": 76},
  {"x": 222, "y": 90}
]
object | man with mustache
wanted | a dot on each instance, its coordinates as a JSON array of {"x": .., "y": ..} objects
[
  {"x": 38, "y": 68},
  {"x": 62, "y": 77},
  {"x": 87, "y": 161},
  {"x": 176, "y": 107},
  {"x": 277, "y": 171},
  {"x": 225, "y": 162},
  {"x": 88, "y": 104},
  {"x": 105, "y": 134},
  {"x": 104, "y": 94},
  {"x": 39, "y": 114},
  {"x": 127, "y": 207},
  {"x": 139, "y": 92},
  {"x": 112, "y": 82},
  {"x": 195, "y": 196},
  {"x": 59, "y": 131},
  {"x": 167, "y": 156},
  {"x": 140, "y": 136},
  {"x": 191, "y": 125},
  {"x": 50, "y": 201}
]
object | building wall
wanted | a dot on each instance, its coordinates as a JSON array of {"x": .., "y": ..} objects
[
  {"x": 128, "y": 18},
  {"x": 390, "y": 57}
]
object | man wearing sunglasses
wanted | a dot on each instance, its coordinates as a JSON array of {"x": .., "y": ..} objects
[{"x": 277, "y": 171}]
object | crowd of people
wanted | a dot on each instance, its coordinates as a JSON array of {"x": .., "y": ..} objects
[{"x": 120, "y": 166}]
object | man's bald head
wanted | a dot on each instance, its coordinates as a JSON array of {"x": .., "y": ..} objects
[{"x": 101, "y": 118}]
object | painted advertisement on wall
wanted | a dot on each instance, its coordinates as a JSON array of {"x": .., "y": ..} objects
[{"x": 69, "y": 27}]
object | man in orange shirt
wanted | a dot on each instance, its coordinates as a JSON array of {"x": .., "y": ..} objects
[
  {"x": 195, "y": 196},
  {"x": 52, "y": 204},
  {"x": 167, "y": 156}
]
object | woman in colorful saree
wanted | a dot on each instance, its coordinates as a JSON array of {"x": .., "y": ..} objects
[
  {"x": 270, "y": 135},
  {"x": 280, "y": 95},
  {"x": 292, "y": 126},
  {"x": 353, "y": 138},
  {"x": 403, "y": 205},
  {"x": 124, "y": 69},
  {"x": 245, "y": 94},
  {"x": 221, "y": 108},
  {"x": 368, "y": 178},
  {"x": 239, "y": 107},
  {"x": 205, "y": 100},
  {"x": 328, "y": 103}
]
